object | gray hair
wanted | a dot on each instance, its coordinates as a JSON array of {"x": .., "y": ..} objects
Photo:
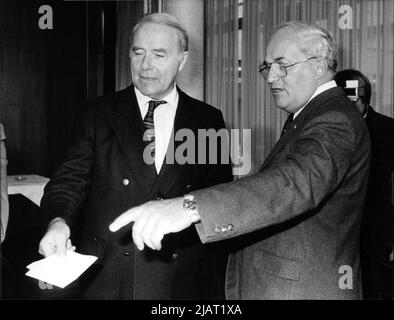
[
  {"x": 165, "y": 20},
  {"x": 315, "y": 41}
]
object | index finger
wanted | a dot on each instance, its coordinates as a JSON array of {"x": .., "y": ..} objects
[{"x": 124, "y": 219}]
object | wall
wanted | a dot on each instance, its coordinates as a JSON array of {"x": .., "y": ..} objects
[
  {"x": 191, "y": 14},
  {"x": 43, "y": 74}
]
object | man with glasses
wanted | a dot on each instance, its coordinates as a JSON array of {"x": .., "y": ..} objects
[{"x": 299, "y": 216}]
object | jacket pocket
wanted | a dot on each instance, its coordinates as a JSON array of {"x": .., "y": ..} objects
[{"x": 288, "y": 268}]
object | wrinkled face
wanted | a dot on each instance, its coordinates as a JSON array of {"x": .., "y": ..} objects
[
  {"x": 294, "y": 90},
  {"x": 155, "y": 59}
]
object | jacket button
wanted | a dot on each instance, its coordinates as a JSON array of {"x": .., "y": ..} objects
[
  {"x": 218, "y": 229},
  {"x": 128, "y": 254},
  {"x": 174, "y": 256},
  {"x": 125, "y": 182}
]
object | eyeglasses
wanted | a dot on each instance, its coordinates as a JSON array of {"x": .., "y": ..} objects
[{"x": 281, "y": 70}]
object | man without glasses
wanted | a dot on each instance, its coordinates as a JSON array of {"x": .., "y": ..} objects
[{"x": 106, "y": 173}]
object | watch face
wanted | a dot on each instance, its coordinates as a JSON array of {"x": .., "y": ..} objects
[{"x": 190, "y": 204}]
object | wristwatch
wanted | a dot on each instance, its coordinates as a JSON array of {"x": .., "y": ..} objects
[{"x": 190, "y": 207}]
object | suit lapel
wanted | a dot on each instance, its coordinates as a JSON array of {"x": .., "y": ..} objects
[
  {"x": 370, "y": 115},
  {"x": 283, "y": 140},
  {"x": 309, "y": 109},
  {"x": 126, "y": 122},
  {"x": 171, "y": 172}
]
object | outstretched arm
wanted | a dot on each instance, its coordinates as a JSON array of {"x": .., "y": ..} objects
[{"x": 153, "y": 220}]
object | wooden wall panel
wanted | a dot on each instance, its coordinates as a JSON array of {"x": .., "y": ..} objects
[
  {"x": 43, "y": 81},
  {"x": 10, "y": 113},
  {"x": 67, "y": 78},
  {"x": 33, "y": 53}
]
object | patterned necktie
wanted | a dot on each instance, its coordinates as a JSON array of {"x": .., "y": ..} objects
[
  {"x": 287, "y": 124},
  {"x": 149, "y": 135}
]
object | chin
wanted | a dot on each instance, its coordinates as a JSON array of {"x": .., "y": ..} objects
[
  {"x": 279, "y": 104},
  {"x": 147, "y": 91}
]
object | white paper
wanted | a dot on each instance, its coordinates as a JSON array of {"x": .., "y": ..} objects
[{"x": 60, "y": 271}]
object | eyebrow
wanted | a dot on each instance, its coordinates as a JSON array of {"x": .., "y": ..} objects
[
  {"x": 277, "y": 60},
  {"x": 280, "y": 59},
  {"x": 161, "y": 50}
]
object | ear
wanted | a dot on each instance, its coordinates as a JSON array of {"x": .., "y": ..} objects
[
  {"x": 321, "y": 68},
  {"x": 184, "y": 57}
]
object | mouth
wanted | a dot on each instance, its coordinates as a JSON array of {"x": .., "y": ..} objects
[
  {"x": 144, "y": 78},
  {"x": 277, "y": 91}
]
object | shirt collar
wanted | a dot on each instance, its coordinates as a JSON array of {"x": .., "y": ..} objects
[
  {"x": 171, "y": 98},
  {"x": 366, "y": 112},
  {"x": 320, "y": 89}
]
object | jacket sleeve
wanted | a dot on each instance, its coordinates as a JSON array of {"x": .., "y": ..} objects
[
  {"x": 66, "y": 190},
  {"x": 318, "y": 161}
]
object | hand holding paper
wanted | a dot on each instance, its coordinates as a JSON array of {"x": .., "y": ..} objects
[{"x": 56, "y": 239}]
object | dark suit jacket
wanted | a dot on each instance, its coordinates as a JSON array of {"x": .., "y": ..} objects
[
  {"x": 302, "y": 210},
  {"x": 105, "y": 175},
  {"x": 378, "y": 217}
]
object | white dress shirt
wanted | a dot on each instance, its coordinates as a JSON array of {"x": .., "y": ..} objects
[
  {"x": 320, "y": 89},
  {"x": 163, "y": 118}
]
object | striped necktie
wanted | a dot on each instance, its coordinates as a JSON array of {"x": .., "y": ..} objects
[{"x": 149, "y": 124}]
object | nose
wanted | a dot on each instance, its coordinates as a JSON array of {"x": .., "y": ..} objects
[
  {"x": 146, "y": 62},
  {"x": 272, "y": 75}
]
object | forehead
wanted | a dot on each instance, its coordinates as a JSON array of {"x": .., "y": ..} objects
[
  {"x": 155, "y": 35},
  {"x": 284, "y": 46}
]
